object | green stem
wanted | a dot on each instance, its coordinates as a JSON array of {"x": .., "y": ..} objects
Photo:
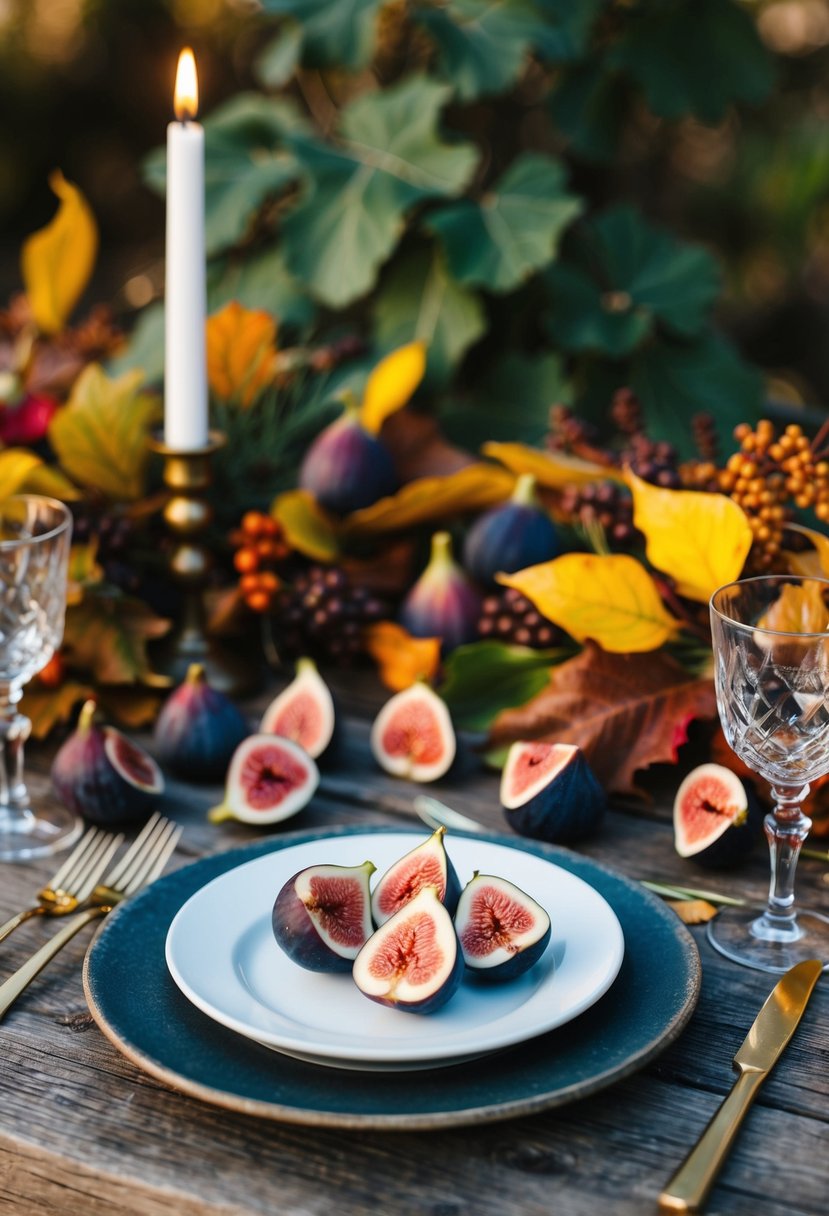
[{"x": 671, "y": 892}]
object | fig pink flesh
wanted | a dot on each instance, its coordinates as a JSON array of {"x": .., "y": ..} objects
[
  {"x": 413, "y": 732},
  {"x": 412, "y": 952},
  {"x": 425, "y": 871},
  {"x": 300, "y": 720},
  {"x": 707, "y": 800},
  {"x": 269, "y": 776},
  {"x": 133, "y": 758},
  {"x": 494, "y": 921},
  {"x": 339, "y": 906},
  {"x": 536, "y": 760}
]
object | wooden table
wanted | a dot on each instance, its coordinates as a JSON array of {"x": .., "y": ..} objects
[{"x": 84, "y": 1132}]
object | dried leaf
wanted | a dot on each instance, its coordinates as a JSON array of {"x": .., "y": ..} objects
[
  {"x": 701, "y": 540},
  {"x": 56, "y": 262},
  {"x": 306, "y": 526},
  {"x": 800, "y": 608},
  {"x": 108, "y": 636},
  {"x": 47, "y": 708},
  {"x": 811, "y": 563},
  {"x": 84, "y": 571},
  {"x": 626, "y": 712},
  {"x": 392, "y": 383},
  {"x": 552, "y": 471},
  {"x": 419, "y": 447},
  {"x": 433, "y": 498},
  {"x": 611, "y": 599},
  {"x": 241, "y": 352},
  {"x": 100, "y": 435},
  {"x": 402, "y": 660},
  {"x": 692, "y": 911},
  {"x": 132, "y": 706}
]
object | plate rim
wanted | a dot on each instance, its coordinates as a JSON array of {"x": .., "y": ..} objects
[
  {"x": 491, "y": 1112},
  {"x": 449, "y": 1052}
]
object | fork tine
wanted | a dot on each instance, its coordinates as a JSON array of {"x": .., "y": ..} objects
[
  {"x": 135, "y": 848},
  {"x": 154, "y": 859},
  {"x": 97, "y": 865},
  {"x": 85, "y": 843}
]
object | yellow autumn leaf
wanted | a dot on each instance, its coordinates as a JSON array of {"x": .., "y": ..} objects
[
  {"x": 16, "y": 466},
  {"x": 100, "y": 435},
  {"x": 549, "y": 469},
  {"x": 427, "y": 499},
  {"x": 701, "y": 540},
  {"x": 800, "y": 608},
  {"x": 611, "y": 599},
  {"x": 812, "y": 562},
  {"x": 57, "y": 261},
  {"x": 392, "y": 383},
  {"x": 401, "y": 659},
  {"x": 306, "y": 526},
  {"x": 241, "y": 352}
]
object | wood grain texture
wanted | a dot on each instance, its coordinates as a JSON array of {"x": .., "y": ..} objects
[{"x": 84, "y": 1132}]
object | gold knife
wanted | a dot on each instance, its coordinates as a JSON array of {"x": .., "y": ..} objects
[{"x": 773, "y": 1027}]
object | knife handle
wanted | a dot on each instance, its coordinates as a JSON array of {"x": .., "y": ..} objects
[{"x": 689, "y": 1187}]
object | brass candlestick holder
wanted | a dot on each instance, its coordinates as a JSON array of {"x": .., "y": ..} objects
[{"x": 187, "y": 514}]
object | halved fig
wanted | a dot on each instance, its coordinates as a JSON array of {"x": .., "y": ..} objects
[
  {"x": 712, "y": 823},
  {"x": 322, "y": 916},
  {"x": 413, "y": 962},
  {"x": 303, "y": 712},
  {"x": 427, "y": 865},
  {"x": 550, "y": 792},
  {"x": 412, "y": 736},
  {"x": 269, "y": 779},
  {"x": 501, "y": 929}
]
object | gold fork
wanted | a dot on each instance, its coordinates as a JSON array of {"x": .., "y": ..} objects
[
  {"x": 73, "y": 883},
  {"x": 141, "y": 864}
]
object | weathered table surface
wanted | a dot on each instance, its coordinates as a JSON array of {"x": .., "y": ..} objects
[{"x": 83, "y": 1131}]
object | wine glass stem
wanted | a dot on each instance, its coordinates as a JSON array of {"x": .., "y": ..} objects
[
  {"x": 14, "y": 731},
  {"x": 786, "y": 828}
]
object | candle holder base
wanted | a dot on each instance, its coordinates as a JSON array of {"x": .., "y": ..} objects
[{"x": 187, "y": 513}]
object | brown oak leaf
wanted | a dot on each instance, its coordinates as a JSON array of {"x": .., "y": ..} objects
[{"x": 625, "y": 711}]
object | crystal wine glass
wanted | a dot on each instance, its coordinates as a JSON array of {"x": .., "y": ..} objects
[
  {"x": 771, "y": 654},
  {"x": 35, "y": 535}
]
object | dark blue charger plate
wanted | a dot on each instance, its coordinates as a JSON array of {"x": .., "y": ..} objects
[{"x": 139, "y": 1008}]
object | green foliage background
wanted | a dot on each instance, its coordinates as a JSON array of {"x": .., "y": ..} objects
[{"x": 445, "y": 170}]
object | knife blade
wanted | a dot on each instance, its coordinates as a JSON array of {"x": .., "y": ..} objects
[{"x": 764, "y": 1044}]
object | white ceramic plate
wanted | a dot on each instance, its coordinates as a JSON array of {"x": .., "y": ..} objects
[{"x": 222, "y": 954}]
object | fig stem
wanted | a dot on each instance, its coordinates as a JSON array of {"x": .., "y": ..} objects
[
  {"x": 524, "y": 493},
  {"x": 672, "y": 892},
  {"x": 441, "y": 554},
  {"x": 220, "y": 813},
  {"x": 87, "y": 715},
  {"x": 195, "y": 673}
]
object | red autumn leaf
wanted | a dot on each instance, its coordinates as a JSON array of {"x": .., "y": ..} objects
[{"x": 625, "y": 711}]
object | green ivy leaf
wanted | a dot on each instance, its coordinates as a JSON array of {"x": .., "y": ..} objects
[
  {"x": 484, "y": 678},
  {"x": 419, "y": 299},
  {"x": 274, "y": 66},
  {"x": 353, "y": 209},
  {"x": 694, "y": 56},
  {"x": 246, "y": 160},
  {"x": 620, "y": 278},
  {"x": 482, "y": 44},
  {"x": 261, "y": 280},
  {"x": 509, "y": 401},
  {"x": 590, "y": 106},
  {"x": 513, "y": 231},
  {"x": 335, "y": 32},
  {"x": 566, "y": 27}
]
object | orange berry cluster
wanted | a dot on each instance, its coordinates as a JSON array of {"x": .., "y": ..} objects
[
  {"x": 769, "y": 475},
  {"x": 260, "y": 545}
]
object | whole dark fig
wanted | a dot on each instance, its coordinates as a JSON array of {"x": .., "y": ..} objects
[
  {"x": 346, "y": 468},
  {"x": 443, "y": 603},
  {"x": 100, "y": 774},
  {"x": 198, "y": 729},
  {"x": 516, "y": 534}
]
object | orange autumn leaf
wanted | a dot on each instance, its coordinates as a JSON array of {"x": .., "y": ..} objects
[
  {"x": 241, "y": 352},
  {"x": 700, "y": 540},
  {"x": 811, "y": 563},
  {"x": 800, "y": 608},
  {"x": 609, "y": 599},
  {"x": 402, "y": 660},
  {"x": 57, "y": 261},
  {"x": 391, "y": 384}
]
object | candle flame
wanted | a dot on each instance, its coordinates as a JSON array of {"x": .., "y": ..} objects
[{"x": 186, "y": 96}]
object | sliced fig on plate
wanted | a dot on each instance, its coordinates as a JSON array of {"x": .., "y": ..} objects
[
  {"x": 413, "y": 962},
  {"x": 712, "y": 823},
  {"x": 427, "y": 865},
  {"x": 303, "y": 712},
  {"x": 102, "y": 775},
  {"x": 501, "y": 929},
  {"x": 550, "y": 792},
  {"x": 269, "y": 779},
  {"x": 322, "y": 916},
  {"x": 412, "y": 736}
]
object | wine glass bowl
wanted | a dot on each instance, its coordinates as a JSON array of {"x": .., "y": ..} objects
[
  {"x": 770, "y": 638},
  {"x": 35, "y": 534}
]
